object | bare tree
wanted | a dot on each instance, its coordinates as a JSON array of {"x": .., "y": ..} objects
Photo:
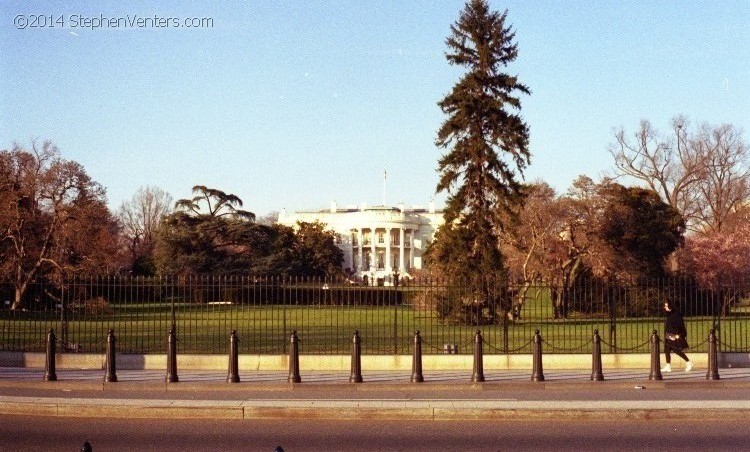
[
  {"x": 725, "y": 185},
  {"x": 668, "y": 165},
  {"x": 141, "y": 216},
  {"x": 703, "y": 174}
]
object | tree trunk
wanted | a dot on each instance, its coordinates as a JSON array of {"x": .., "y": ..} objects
[{"x": 18, "y": 299}]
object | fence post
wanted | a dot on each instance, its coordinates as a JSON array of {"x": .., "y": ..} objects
[
  {"x": 49, "y": 362},
  {"x": 294, "y": 359},
  {"x": 655, "y": 362},
  {"x": 395, "y": 322},
  {"x": 477, "y": 375},
  {"x": 537, "y": 373},
  {"x": 713, "y": 363},
  {"x": 172, "y": 356},
  {"x": 279, "y": 282},
  {"x": 596, "y": 358},
  {"x": 356, "y": 374},
  {"x": 111, "y": 375},
  {"x": 416, "y": 360},
  {"x": 505, "y": 334},
  {"x": 233, "y": 375}
]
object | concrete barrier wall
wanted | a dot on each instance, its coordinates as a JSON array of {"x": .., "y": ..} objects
[{"x": 342, "y": 363}]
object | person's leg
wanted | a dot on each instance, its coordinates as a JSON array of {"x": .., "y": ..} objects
[
  {"x": 688, "y": 363},
  {"x": 667, "y": 367},
  {"x": 667, "y": 351}
]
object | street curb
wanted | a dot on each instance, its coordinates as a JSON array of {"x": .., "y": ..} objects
[{"x": 358, "y": 410}]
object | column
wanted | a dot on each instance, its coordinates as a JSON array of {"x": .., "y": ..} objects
[
  {"x": 401, "y": 250},
  {"x": 411, "y": 249},
  {"x": 359, "y": 249},
  {"x": 388, "y": 267},
  {"x": 373, "y": 252}
]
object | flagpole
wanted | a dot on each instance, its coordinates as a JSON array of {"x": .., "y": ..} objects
[{"x": 385, "y": 176}]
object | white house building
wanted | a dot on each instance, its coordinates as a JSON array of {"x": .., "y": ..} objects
[{"x": 377, "y": 241}]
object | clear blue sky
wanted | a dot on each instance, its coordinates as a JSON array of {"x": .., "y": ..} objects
[{"x": 293, "y": 104}]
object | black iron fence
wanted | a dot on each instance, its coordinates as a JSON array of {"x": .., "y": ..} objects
[{"x": 204, "y": 309}]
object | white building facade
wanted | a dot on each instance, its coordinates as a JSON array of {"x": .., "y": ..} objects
[{"x": 377, "y": 241}]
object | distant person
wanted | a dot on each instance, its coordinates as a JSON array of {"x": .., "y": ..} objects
[{"x": 675, "y": 338}]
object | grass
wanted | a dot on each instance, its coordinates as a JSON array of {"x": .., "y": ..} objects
[{"x": 204, "y": 328}]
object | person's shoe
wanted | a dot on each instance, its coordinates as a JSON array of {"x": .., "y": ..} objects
[
  {"x": 667, "y": 368},
  {"x": 689, "y": 366}
]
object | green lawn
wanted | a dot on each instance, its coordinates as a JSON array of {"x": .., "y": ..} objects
[{"x": 204, "y": 328}]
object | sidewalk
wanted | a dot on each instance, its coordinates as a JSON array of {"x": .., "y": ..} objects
[{"x": 625, "y": 393}]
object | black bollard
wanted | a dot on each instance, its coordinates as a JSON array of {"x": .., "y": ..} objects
[
  {"x": 86, "y": 447},
  {"x": 713, "y": 363},
  {"x": 49, "y": 362},
  {"x": 111, "y": 374},
  {"x": 477, "y": 374},
  {"x": 294, "y": 359},
  {"x": 172, "y": 357},
  {"x": 537, "y": 373},
  {"x": 356, "y": 375},
  {"x": 655, "y": 359},
  {"x": 596, "y": 358},
  {"x": 233, "y": 375},
  {"x": 416, "y": 360}
]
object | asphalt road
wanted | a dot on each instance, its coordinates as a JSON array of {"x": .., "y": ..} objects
[{"x": 69, "y": 434}]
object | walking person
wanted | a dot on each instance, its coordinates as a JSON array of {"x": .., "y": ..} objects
[{"x": 675, "y": 338}]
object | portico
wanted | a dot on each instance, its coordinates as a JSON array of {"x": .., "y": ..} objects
[{"x": 377, "y": 241}]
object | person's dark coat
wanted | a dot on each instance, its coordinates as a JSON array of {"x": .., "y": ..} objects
[{"x": 674, "y": 325}]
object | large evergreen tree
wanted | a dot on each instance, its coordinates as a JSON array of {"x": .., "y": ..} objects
[
  {"x": 487, "y": 144},
  {"x": 488, "y": 140}
]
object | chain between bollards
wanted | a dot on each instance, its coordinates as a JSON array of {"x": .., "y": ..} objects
[
  {"x": 537, "y": 373},
  {"x": 477, "y": 374},
  {"x": 713, "y": 363},
  {"x": 233, "y": 374},
  {"x": 356, "y": 374},
  {"x": 172, "y": 357},
  {"x": 655, "y": 359},
  {"x": 111, "y": 374},
  {"x": 294, "y": 376},
  {"x": 596, "y": 358},
  {"x": 49, "y": 362},
  {"x": 416, "y": 360}
]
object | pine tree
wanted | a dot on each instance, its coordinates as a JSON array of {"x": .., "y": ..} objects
[
  {"x": 485, "y": 139},
  {"x": 487, "y": 144}
]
